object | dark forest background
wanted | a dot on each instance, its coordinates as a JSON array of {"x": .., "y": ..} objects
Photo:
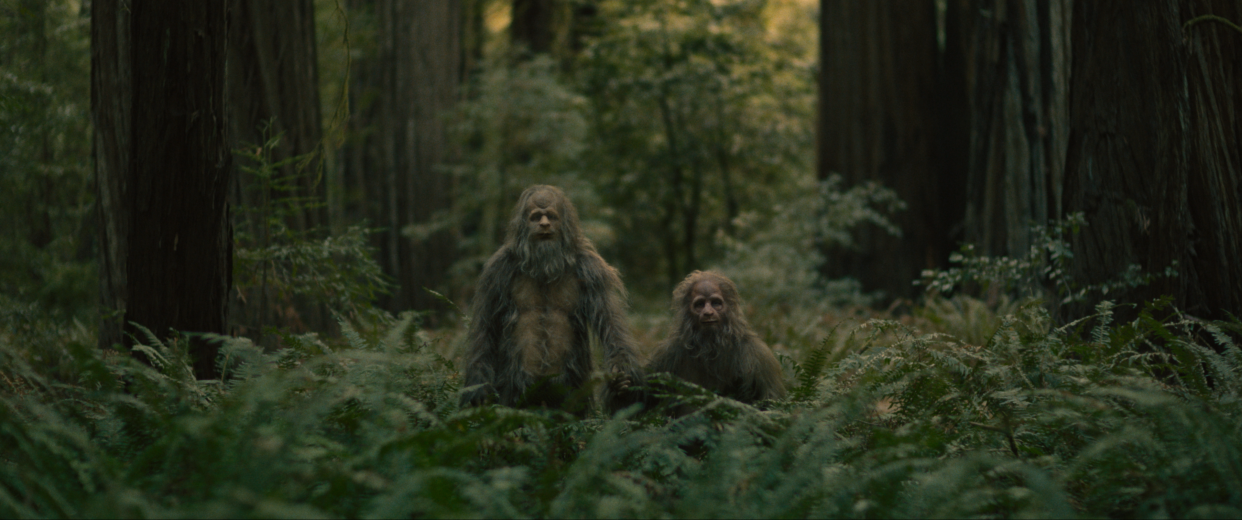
[{"x": 288, "y": 173}]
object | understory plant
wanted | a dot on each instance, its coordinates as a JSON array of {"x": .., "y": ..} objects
[{"x": 1096, "y": 417}]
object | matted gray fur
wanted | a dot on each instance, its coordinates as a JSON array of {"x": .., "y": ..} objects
[
  {"x": 492, "y": 357},
  {"x": 729, "y": 359}
]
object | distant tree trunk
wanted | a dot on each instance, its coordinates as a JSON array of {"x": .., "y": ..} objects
[
  {"x": 1018, "y": 54},
  {"x": 273, "y": 77},
  {"x": 1105, "y": 107},
  {"x": 174, "y": 164},
  {"x": 533, "y": 24},
  {"x": 1154, "y": 155},
  {"x": 473, "y": 36},
  {"x": 413, "y": 80},
  {"x": 878, "y": 122},
  {"x": 111, "y": 116}
]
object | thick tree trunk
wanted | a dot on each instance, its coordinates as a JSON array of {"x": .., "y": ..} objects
[
  {"x": 1154, "y": 155},
  {"x": 413, "y": 81},
  {"x": 171, "y": 168},
  {"x": 878, "y": 122},
  {"x": 1017, "y": 58},
  {"x": 1109, "y": 108}
]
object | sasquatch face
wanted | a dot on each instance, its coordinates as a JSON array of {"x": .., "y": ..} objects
[
  {"x": 543, "y": 222},
  {"x": 707, "y": 304}
]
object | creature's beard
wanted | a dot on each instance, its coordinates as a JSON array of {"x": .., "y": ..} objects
[
  {"x": 544, "y": 260},
  {"x": 710, "y": 342}
]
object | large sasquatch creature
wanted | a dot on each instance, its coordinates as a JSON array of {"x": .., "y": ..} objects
[
  {"x": 537, "y": 300},
  {"x": 713, "y": 346}
]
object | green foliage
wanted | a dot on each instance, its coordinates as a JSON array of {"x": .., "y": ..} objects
[
  {"x": 776, "y": 255},
  {"x": 273, "y": 260},
  {"x": 521, "y": 126},
  {"x": 46, "y": 229},
  {"x": 698, "y": 113},
  {"x": 1094, "y": 418},
  {"x": 1046, "y": 267}
]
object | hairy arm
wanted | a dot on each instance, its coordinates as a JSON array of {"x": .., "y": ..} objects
[
  {"x": 765, "y": 380},
  {"x": 603, "y": 309},
  {"x": 486, "y": 362}
]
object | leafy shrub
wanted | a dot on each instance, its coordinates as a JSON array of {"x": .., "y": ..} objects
[
  {"x": 1045, "y": 271},
  {"x": 280, "y": 271},
  {"x": 1094, "y": 418}
]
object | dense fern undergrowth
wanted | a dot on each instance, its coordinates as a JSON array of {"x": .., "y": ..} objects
[{"x": 1095, "y": 418}]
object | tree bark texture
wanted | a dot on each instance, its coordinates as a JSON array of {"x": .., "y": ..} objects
[
  {"x": 879, "y": 122},
  {"x": 168, "y": 175},
  {"x": 273, "y": 75},
  {"x": 111, "y": 116},
  {"x": 1154, "y": 156},
  {"x": 1017, "y": 64},
  {"x": 1109, "y": 108},
  {"x": 407, "y": 90}
]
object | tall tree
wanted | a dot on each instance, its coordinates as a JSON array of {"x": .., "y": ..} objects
[
  {"x": 1018, "y": 59},
  {"x": 405, "y": 90},
  {"x": 273, "y": 89},
  {"x": 163, "y": 172},
  {"x": 879, "y": 121},
  {"x": 533, "y": 24},
  {"x": 1126, "y": 112},
  {"x": 273, "y": 76},
  {"x": 1154, "y": 157}
]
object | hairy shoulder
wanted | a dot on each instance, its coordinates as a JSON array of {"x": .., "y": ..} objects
[
  {"x": 497, "y": 275},
  {"x": 761, "y": 353},
  {"x": 594, "y": 271}
]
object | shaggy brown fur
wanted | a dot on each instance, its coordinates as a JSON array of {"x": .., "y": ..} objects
[
  {"x": 537, "y": 300},
  {"x": 714, "y": 347}
]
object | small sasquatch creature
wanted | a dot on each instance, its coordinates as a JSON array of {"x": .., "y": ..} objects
[
  {"x": 537, "y": 300},
  {"x": 713, "y": 346}
]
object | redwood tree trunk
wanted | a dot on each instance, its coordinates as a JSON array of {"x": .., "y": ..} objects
[
  {"x": 532, "y": 24},
  {"x": 407, "y": 89},
  {"x": 1017, "y": 77},
  {"x": 111, "y": 115},
  {"x": 174, "y": 164},
  {"x": 879, "y": 122},
  {"x": 1154, "y": 155},
  {"x": 273, "y": 77}
]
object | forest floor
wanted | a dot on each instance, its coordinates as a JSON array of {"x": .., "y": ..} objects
[{"x": 945, "y": 408}]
